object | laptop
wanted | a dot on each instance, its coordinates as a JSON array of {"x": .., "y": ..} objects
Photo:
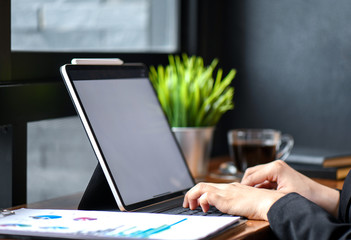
[{"x": 130, "y": 135}]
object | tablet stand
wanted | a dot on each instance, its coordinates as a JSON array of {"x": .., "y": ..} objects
[{"x": 98, "y": 195}]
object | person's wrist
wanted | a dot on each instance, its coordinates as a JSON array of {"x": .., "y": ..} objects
[{"x": 274, "y": 196}]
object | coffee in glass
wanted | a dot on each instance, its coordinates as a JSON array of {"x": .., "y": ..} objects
[{"x": 250, "y": 147}]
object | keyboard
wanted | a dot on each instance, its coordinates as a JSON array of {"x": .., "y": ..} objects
[{"x": 196, "y": 212}]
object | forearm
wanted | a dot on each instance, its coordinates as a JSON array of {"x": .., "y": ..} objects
[{"x": 327, "y": 198}]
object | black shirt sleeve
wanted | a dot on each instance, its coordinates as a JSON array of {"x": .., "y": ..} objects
[{"x": 295, "y": 217}]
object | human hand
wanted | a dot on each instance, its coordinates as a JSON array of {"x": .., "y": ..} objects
[
  {"x": 280, "y": 176},
  {"x": 232, "y": 198}
]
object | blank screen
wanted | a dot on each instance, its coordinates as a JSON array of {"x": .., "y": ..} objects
[{"x": 135, "y": 138}]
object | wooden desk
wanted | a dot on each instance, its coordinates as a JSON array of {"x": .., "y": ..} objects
[{"x": 252, "y": 229}]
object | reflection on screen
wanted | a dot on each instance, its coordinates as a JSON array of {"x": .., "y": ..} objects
[{"x": 135, "y": 138}]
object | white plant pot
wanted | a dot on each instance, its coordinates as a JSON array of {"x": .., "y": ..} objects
[{"x": 196, "y": 145}]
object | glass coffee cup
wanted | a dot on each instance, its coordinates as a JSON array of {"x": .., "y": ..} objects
[{"x": 251, "y": 147}]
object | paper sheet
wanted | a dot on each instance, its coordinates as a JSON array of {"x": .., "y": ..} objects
[{"x": 102, "y": 224}]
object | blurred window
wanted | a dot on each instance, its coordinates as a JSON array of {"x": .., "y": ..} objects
[
  {"x": 60, "y": 158},
  {"x": 95, "y": 25}
]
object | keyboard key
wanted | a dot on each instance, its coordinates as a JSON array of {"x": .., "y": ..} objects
[{"x": 196, "y": 212}]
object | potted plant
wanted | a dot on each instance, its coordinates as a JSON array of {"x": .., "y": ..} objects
[{"x": 194, "y": 97}]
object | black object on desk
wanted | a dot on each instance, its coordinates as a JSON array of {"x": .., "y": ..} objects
[{"x": 98, "y": 195}]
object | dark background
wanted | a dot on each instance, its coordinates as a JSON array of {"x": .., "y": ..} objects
[
  {"x": 293, "y": 60},
  {"x": 294, "y": 67}
]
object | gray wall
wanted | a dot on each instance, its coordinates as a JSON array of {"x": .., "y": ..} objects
[{"x": 294, "y": 65}]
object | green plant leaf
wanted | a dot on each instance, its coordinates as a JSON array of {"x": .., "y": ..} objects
[{"x": 192, "y": 94}]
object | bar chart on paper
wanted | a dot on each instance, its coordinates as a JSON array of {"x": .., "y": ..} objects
[
  {"x": 102, "y": 225},
  {"x": 135, "y": 232}
]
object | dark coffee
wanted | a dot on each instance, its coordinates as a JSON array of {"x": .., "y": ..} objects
[{"x": 248, "y": 155}]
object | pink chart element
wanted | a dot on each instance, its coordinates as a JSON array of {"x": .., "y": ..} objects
[{"x": 85, "y": 219}]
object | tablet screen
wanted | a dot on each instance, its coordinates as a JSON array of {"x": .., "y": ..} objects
[{"x": 134, "y": 136}]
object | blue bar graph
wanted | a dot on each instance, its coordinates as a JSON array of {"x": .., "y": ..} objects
[{"x": 130, "y": 232}]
